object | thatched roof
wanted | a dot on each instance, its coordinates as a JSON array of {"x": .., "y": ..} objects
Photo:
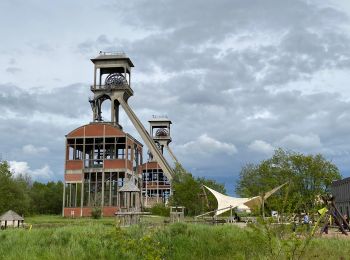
[
  {"x": 129, "y": 186},
  {"x": 10, "y": 216}
]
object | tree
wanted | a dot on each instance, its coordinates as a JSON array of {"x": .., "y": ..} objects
[
  {"x": 46, "y": 198},
  {"x": 19, "y": 194},
  {"x": 13, "y": 191},
  {"x": 5, "y": 186},
  {"x": 308, "y": 175},
  {"x": 187, "y": 191}
]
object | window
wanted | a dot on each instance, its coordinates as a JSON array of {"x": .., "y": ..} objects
[{"x": 129, "y": 153}]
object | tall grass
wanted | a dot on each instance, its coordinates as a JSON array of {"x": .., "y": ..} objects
[{"x": 90, "y": 239}]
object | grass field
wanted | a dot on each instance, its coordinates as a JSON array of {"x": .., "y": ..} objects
[{"x": 53, "y": 237}]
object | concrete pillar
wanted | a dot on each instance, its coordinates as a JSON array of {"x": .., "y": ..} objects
[
  {"x": 103, "y": 188},
  {"x": 64, "y": 198},
  {"x": 95, "y": 71},
  {"x": 116, "y": 111},
  {"x": 82, "y": 197},
  {"x": 112, "y": 111},
  {"x": 89, "y": 195},
  {"x": 110, "y": 189},
  {"x": 70, "y": 195}
]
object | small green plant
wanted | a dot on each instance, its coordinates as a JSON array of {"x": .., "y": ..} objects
[
  {"x": 96, "y": 213},
  {"x": 160, "y": 210}
]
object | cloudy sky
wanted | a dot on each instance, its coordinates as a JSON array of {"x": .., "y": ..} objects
[{"x": 238, "y": 78}]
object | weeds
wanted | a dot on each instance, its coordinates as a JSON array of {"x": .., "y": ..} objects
[{"x": 92, "y": 239}]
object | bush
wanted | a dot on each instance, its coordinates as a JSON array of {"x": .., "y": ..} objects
[
  {"x": 160, "y": 210},
  {"x": 96, "y": 213}
]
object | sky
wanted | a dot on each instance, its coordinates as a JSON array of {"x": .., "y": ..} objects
[{"x": 238, "y": 78}]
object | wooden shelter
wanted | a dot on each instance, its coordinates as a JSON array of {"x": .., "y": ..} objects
[
  {"x": 11, "y": 219},
  {"x": 130, "y": 197}
]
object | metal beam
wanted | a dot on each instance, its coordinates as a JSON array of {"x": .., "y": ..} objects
[
  {"x": 172, "y": 154},
  {"x": 167, "y": 170}
]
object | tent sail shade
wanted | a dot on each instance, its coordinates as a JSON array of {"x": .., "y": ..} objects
[{"x": 225, "y": 203}]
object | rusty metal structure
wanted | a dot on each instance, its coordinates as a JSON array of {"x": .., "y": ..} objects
[{"x": 103, "y": 164}]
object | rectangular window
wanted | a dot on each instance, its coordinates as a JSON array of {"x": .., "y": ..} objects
[
  {"x": 129, "y": 153},
  {"x": 70, "y": 153},
  {"x": 120, "y": 154}
]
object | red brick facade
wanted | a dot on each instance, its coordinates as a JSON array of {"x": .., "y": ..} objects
[
  {"x": 77, "y": 164},
  {"x": 86, "y": 212}
]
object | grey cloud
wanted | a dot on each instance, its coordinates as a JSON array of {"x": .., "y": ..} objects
[
  {"x": 12, "y": 61},
  {"x": 226, "y": 15},
  {"x": 70, "y": 101},
  {"x": 13, "y": 70}
]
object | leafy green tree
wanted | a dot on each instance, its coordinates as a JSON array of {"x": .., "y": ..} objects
[
  {"x": 187, "y": 191},
  {"x": 308, "y": 176},
  {"x": 13, "y": 191},
  {"x": 18, "y": 193},
  {"x": 47, "y": 198},
  {"x": 5, "y": 187}
]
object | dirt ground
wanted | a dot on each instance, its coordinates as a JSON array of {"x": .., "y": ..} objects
[{"x": 334, "y": 233}]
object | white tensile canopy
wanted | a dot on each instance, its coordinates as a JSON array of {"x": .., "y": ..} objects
[{"x": 225, "y": 203}]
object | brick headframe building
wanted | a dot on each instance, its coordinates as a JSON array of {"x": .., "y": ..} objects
[{"x": 103, "y": 164}]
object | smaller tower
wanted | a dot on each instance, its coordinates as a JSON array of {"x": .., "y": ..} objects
[
  {"x": 156, "y": 186},
  {"x": 160, "y": 131}
]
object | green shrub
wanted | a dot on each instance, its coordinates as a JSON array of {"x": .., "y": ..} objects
[
  {"x": 96, "y": 213},
  {"x": 160, "y": 210}
]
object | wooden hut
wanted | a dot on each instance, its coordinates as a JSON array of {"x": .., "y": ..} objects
[
  {"x": 130, "y": 196},
  {"x": 11, "y": 219}
]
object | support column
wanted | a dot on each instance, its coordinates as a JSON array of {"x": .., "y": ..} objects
[
  {"x": 64, "y": 198},
  {"x": 76, "y": 195},
  {"x": 157, "y": 184},
  {"x": 118, "y": 195},
  {"x": 116, "y": 113},
  {"x": 95, "y": 72},
  {"x": 103, "y": 189},
  {"x": 70, "y": 195},
  {"x": 103, "y": 171},
  {"x": 89, "y": 196},
  {"x": 146, "y": 184},
  {"x": 112, "y": 111},
  {"x": 82, "y": 197},
  {"x": 110, "y": 189},
  {"x": 95, "y": 199}
]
